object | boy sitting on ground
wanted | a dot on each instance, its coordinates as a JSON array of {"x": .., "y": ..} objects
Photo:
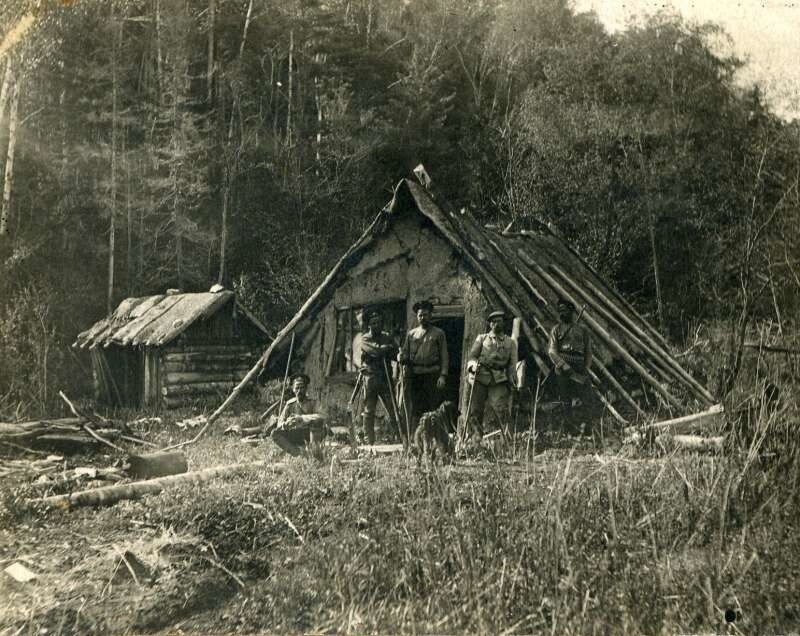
[{"x": 300, "y": 423}]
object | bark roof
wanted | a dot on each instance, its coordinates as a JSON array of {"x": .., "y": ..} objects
[
  {"x": 528, "y": 272},
  {"x": 154, "y": 321}
]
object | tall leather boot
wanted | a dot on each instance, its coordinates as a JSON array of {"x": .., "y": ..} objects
[{"x": 369, "y": 427}]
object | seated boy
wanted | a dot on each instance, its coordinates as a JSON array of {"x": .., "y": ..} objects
[{"x": 300, "y": 423}]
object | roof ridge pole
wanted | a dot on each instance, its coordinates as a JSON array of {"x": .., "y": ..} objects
[
  {"x": 643, "y": 338},
  {"x": 608, "y": 339}
]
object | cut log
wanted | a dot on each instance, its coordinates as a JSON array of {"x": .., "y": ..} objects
[
  {"x": 197, "y": 389},
  {"x": 66, "y": 443},
  {"x": 691, "y": 442},
  {"x": 217, "y": 349},
  {"x": 157, "y": 465},
  {"x": 193, "y": 356},
  {"x": 237, "y": 365},
  {"x": 109, "y": 495},
  {"x": 198, "y": 377},
  {"x": 687, "y": 422}
]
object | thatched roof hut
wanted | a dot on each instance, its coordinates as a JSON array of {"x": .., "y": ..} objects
[{"x": 172, "y": 348}]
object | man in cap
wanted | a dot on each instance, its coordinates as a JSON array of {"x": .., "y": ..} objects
[
  {"x": 377, "y": 349},
  {"x": 491, "y": 370},
  {"x": 570, "y": 351},
  {"x": 424, "y": 362},
  {"x": 300, "y": 422}
]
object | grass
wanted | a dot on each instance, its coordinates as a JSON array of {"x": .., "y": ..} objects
[{"x": 569, "y": 541}]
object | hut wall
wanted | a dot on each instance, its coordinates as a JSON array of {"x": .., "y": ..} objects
[
  {"x": 411, "y": 262},
  {"x": 187, "y": 372}
]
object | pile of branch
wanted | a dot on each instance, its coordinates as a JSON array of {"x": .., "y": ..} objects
[{"x": 67, "y": 434}]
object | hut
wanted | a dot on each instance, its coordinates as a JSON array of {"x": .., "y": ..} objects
[
  {"x": 417, "y": 247},
  {"x": 172, "y": 348}
]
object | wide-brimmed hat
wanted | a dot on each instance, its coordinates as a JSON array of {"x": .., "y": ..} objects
[
  {"x": 422, "y": 304},
  {"x": 496, "y": 314}
]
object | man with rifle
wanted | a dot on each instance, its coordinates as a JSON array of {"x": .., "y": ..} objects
[
  {"x": 570, "y": 350},
  {"x": 377, "y": 350}
]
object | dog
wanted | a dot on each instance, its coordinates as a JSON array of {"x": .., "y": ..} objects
[{"x": 432, "y": 434}]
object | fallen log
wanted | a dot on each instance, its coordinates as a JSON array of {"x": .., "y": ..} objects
[
  {"x": 109, "y": 495},
  {"x": 691, "y": 442},
  {"x": 687, "y": 421},
  {"x": 157, "y": 465}
]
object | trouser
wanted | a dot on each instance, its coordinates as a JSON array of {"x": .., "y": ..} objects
[
  {"x": 496, "y": 397},
  {"x": 376, "y": 388},
  {"x": 422, "y": 396},
  {"x": 294, "y": 439},
  {"x": 570, "y": 388}
]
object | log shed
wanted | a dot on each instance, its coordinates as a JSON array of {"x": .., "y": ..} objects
[{"x": 171, "y": 349}]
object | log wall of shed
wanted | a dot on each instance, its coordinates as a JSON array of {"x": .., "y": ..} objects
[{"x": 187, "y": 372}]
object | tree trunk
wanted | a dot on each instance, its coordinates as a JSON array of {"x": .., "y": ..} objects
[
  {"x": 9, "y": 172},
  {"x": 659, "y": 302},
  {"x": 246, "y": 27},
  {"x": 112, "y": 228},
  {"x": 289, "y": 103},
  {"x": 8, "y": 79},
  {"x": 212, "y": 8},
  {"x": 129, "y": 251}
]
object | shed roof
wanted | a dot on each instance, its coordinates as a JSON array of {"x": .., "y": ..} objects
[
  {"x": 528, "y": 272},
  {"x": 154, "y": 321}
]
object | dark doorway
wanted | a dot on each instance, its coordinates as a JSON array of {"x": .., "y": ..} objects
[{"x": 454, "y": 331}]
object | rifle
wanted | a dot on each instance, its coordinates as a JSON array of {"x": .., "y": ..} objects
[{"x": 350, "y": 424}]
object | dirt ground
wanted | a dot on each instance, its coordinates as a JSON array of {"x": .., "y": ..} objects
[{"x": 382, "y": 545}]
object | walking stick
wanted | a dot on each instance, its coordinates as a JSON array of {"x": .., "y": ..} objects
[
  {"x": 463, "y": 438},
  {"x": 350, "y": 424},
  {"x": 404, "y": 393},
  {"x": 391, "y": 393},
  {"x": 286, "y": 375}
]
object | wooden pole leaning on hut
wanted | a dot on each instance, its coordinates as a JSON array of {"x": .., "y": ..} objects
[
  {"x": 638, "y": 335},
  {"x": 608, "y": 339}
]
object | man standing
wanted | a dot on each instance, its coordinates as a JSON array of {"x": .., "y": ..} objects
[
  {"x": 425, "y": 363},
  {"x": 300, "y": 423},
  {"x": 492, "y": 368},
  {"x": 377, "y": 349},
  {"x": 570, "y": 351}
]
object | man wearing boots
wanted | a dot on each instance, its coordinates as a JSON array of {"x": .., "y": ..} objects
[
  {"x": 492, "y": 368},
  {"x": 424, "y": 361},
  {"x": 570, "y": 351},
  {"x": 377, "y": 350}
]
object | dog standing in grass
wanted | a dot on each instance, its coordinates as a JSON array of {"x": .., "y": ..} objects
[{"x": 432, "y": 434}]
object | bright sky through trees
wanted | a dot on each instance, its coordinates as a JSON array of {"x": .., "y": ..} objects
[{"x": 765, "y": 32}]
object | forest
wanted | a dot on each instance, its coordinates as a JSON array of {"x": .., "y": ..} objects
[{"x": 154, "y": 144}]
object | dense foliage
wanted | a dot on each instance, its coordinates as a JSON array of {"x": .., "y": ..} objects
[{"x": 163, "y": 144}]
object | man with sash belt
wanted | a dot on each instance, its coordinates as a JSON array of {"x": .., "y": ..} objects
[
  {"x": 424, "y": 362},
  {"x": 491, "y": 369}
]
